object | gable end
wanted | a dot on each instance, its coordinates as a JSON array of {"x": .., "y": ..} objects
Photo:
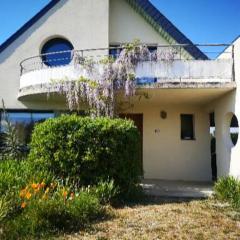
[{"x": 165, "y": 27}]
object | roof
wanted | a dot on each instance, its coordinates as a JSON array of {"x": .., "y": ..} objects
[
  {"x": 169, "y": 27},
  {"x": 145, "y": 5}
]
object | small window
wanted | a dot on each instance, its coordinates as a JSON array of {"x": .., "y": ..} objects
[
  {"x": 152, "y": 49},
  {"x": 187, "y": 127},
  {"x": 114, "y": 51},
  {"x": 57, "y": 52}
]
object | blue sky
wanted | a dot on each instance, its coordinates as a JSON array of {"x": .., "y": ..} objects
[{"x": 203, "y": 21}]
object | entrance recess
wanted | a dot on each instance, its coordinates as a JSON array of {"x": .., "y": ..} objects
[{"x": 213, "y": 146}]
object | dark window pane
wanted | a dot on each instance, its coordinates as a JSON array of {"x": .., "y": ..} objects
[
  {"x": 187, "y": 127},
  {"x": 212, "y": 119},
  {"x": 57, "y": 59},
  {"x": 152, "y": 49},
  {"x": 114, "y": 51}
]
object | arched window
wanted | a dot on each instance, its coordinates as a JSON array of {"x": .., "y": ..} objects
[{"x": 50, "y": 58}]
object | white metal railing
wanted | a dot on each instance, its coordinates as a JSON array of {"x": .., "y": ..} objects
[
  {"x": 180, "y": 68},
  {"x": 209, "y": 70}
]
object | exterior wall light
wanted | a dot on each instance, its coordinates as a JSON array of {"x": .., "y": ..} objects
[{"x": 163, "y": 114}]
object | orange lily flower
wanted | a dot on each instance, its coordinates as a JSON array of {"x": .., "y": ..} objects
[
  {"x": 23, "y": 205},
  {"x": 28, "y": 195}
]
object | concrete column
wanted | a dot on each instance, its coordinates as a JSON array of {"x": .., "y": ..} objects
[{"x": 228, "y": 155}]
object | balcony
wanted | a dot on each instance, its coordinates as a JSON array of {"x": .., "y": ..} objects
[{"x": 168, "y": 67}]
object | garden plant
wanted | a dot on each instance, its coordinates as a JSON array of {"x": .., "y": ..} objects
[{"x": 76, "y": 166}]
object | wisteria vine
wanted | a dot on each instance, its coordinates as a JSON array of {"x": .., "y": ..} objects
[{"x": 102, "y": 80}]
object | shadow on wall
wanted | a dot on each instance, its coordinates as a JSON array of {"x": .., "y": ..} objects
[
  {"x": 52, "y": 102},
  {"x": 24, "y": 36}
]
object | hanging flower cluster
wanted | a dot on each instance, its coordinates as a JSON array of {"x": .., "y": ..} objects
[{"x": 100, "y": 81}]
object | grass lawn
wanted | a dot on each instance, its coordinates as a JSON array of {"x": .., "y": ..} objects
[{"x": 166, "y": 219}]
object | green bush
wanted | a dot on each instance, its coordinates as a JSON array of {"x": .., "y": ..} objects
[
  {"x": 41, "y": 196},
  {"x": 86, "y": 150},
  {"x": 228, "y": 189},
  {"x": 45, "y": 214}
]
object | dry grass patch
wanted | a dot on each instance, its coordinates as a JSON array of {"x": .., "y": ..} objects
[{"x": 167, "y": 220}]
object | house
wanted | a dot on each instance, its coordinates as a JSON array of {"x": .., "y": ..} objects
[{"x": 184, "y": 98}]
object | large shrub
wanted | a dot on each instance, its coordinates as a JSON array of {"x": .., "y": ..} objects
[{"x": 86, "y": 151}]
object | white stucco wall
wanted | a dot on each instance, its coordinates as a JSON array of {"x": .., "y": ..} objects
[
  {"x": 165, "y": 155},
  {"x": 83, "y": 22},
  {"x": 125, "y": 25},
  {"x": 228, "y": 156}
]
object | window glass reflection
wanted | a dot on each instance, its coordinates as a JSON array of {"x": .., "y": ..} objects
[
  {"x": 19, "y": 117},
  {"x": 24, "y": 123},
  {"x": 39, "y": 117}
]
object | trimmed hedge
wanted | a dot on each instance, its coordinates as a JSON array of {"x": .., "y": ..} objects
[{"x": 86, "y": 151}]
